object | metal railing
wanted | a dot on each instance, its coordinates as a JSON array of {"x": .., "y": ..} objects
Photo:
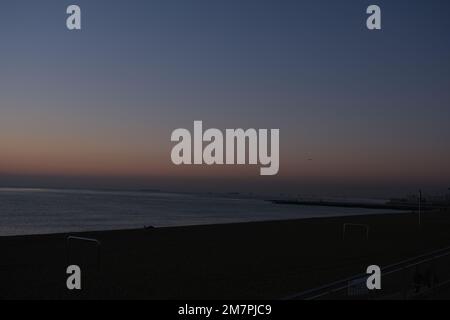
[{"x": 408, "y": 279}]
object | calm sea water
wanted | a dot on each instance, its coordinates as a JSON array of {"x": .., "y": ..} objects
[{"x": 42, "y": 211}]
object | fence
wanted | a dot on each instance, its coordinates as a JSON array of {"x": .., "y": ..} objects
[{"x": 418, "y": 277}]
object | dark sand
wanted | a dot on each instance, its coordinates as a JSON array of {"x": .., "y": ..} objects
[{"x": 268, "y": 260}]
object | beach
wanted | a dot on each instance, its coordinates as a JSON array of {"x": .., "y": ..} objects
[{"x": 261, "y": 260}]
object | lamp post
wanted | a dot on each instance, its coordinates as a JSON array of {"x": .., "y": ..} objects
[{"x": 420, "y": 208}]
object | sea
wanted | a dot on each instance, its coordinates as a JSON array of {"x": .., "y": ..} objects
[{"x": 47, "y": 211}]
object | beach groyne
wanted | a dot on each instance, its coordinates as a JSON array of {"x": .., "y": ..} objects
[{"x": 381, "y": 206}]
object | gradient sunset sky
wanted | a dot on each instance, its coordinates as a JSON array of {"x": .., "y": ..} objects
[{"x": 358, "y": 111}]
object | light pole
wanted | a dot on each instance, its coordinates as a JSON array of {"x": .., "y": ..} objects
[{"x": 420, "y": 208}]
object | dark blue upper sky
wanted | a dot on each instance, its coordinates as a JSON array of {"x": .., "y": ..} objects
[{"x": 369, "y": 107}]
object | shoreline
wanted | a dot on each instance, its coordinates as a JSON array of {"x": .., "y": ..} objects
[
  {"x": 61, "y": 212},
  {"x": 230, "y": 224}
]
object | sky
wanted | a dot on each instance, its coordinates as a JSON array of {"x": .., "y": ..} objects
[{"x": 359, "y": 111}]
